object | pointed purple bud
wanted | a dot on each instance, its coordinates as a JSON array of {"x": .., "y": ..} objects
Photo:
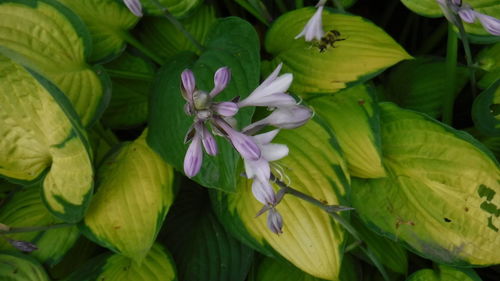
[
  {"x": 194, "y": 157},
  {"x": 275, "y": 221},
  {"x": 264, "y": 192},
  {"x": 188, "y": 84},
  {"x": 244, "y": 144},
  {"x": 23, "y": 245},
  {"x": 134, "y": 6},
  {"x": 221, "y": 79},
  {"x": 490, "y": 24},
  {"x": 207, "y": 139},
  {"x": 226, "y": 109},
  {"x": 467, "y": 15},
  {"x": 314, "y": 27}
]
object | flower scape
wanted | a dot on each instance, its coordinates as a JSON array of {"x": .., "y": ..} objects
[{"x": 247, "y": 140}]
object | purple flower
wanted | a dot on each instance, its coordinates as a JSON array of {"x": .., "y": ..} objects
[
  {"x": 134, "y": 6},
  {"x": 287, "y": 117},
  {"x": 22, "y": 245},
  {"x": 274, "y": 221},
  {"x": 314, "y": 27},
  {"x": 244, "y": 144}
]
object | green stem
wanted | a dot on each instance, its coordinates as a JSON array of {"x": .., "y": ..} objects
[
  {"x": 451, "y": 70},
  {"x": 339, "y": 6},
  {"x": 468, "y": 55},
  {"x": 299, "y": 4},
  {"x": 139, "y": 46},
  {"x": 178, "y": 25},
  {"x": 34, "y": 228}
]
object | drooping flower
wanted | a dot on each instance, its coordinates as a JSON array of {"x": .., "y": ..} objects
[
  {"x": 244, "y": 144},
  {"x": 287, "y": 117},
  {"x": 271, "y": 92},
  {"x": 275, "y": 221},
  {"x": 314, "y": 27},
  {"x": 134, "y": 6},
  {"x": 469, "y": 15}
]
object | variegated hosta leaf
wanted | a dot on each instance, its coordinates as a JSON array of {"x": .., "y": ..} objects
[
  {"x": 430, "y": 8},
  {"x": 445, "y": 273},
  {"x": 418, "y": 85},
  {"x": 132, "y": 77},
  {"x": 312, "y": 240},
  {"x": 102, "y": 141},
  {"x": 38, "y": 130},
  {"x": 162, "y": 37},
  {"x": 48, "y": 37},
  {"x": 353, "y": 115},
  {"x": 157, "y": 265},
  {"x": 486, "y": 110},
  {"x": 489, "y": 60},
  {"x": 178, "y": 8},
  {"x": 440, "y": 197},
  {"x": 108, "y": 22},
  {"x": 19, "y": 267},
  {"x": 365, "y": 51},
  {"x": 26, "y": 209},
  {"x": 135, "y": 191}
]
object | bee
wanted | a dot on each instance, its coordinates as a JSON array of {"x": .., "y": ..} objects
[{"x": 328, "y": 40}]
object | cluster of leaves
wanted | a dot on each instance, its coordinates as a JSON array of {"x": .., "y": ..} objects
[{"x": 92, "y": 128}]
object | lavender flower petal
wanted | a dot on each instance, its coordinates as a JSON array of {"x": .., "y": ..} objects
[
  {"x": 23, "y": 245},
  {"x": 284, "y": 117},
  {"x": 194, "y": 157},
  {"x": 274, "y": 221},
  {"x": 244, "y": 144},
  {"x": 188, "y": 85},
  {"x": 274, "y": 151},
  {"x": 491, "y": 24},
  {"x": 207, "y": 139},
  {"x": 258, "y": 169},
  {"x": 314, "y": 27},
  {"x": 134, "y": 6},
  {"x": 268, "y": 91},
  {"x": 226, "y": 109},
  {"x": 467, "y": 15},
  {"x": 221, "y": 79},
  {"x": 263, "y": 192}
]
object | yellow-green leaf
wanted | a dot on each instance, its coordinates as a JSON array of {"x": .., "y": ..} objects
[
  {"x": 135, "y": 191},
  {"x": 40, "y": 130},
  {"x": 440, "y": 197},
  {"x": 108, "y": 22},
  {"x": 19, "y": 267},
  {"x": 178, "y": 8},
  {"x": 312, "y": 241},
  {"x": 353, "y": 115},
  {"x": 445, "y": 273},
  {"x": 157, "y": 265},
  {"x": 365, "y": 51},
  {"x": 26, "y": 209},
  {"x": 49, "y": 38}
]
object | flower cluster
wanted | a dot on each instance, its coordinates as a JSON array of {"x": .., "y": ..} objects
[
  {"x": 257, "y": 151},
  {"x": 468, "y": 14}
]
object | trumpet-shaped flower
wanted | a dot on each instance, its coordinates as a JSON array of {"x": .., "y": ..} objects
[
  {"x": 287, "y": 117},
  {"x": 134, "y": 6},
  {"x": 314, "y": 27}
]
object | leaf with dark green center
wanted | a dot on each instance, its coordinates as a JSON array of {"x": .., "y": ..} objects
[
  {"x": 41, "y": 131},
  {"x": 311, "y": 239},
  {"x": 364, "y": 51},
  {"x": 440, "y": 197},
  {"x": 108, "y": 22},
  {"x": 486, "y": 111},
  {"x": 19, "y": 267},
  {"x": 178, "y": 8},
  {"x": 232, "y": 42},
  {"x": 49, "y": 38}
]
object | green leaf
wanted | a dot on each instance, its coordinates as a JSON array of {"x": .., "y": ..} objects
[
  {"x": 156, "y": 266},
  {"x": 135, "y": 191},
  {"x": 102, "y": 141},
  {"x": 202, "y": 248},
  {"x": 312, "y": 240},
  {"x": 108, "y": 22},
  {"x": 476, "y": 32},
  {"x": 49, "y": 38},
  {"x": 132, "y": 78},
  {"x": 440, "y": 196},
  {"x": 445, "y": 273},
  {"x": 353, "y": 115},
  {"x": 26, "y": 209},
  {"x": 178, "y": 8},
  {"x": 391, "y": 254},
  {"x": 489, "y": 60},
  {"x": 366, "y": 51},
  {"x": 486, "y": 111},
  {"x": 19, "y": 267},
  {"x": 165, "y": 40},
  {"x": 418, "y": 85},
  {"x": 232, "y": 42},
  {"x": 42, "y": 131}
]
